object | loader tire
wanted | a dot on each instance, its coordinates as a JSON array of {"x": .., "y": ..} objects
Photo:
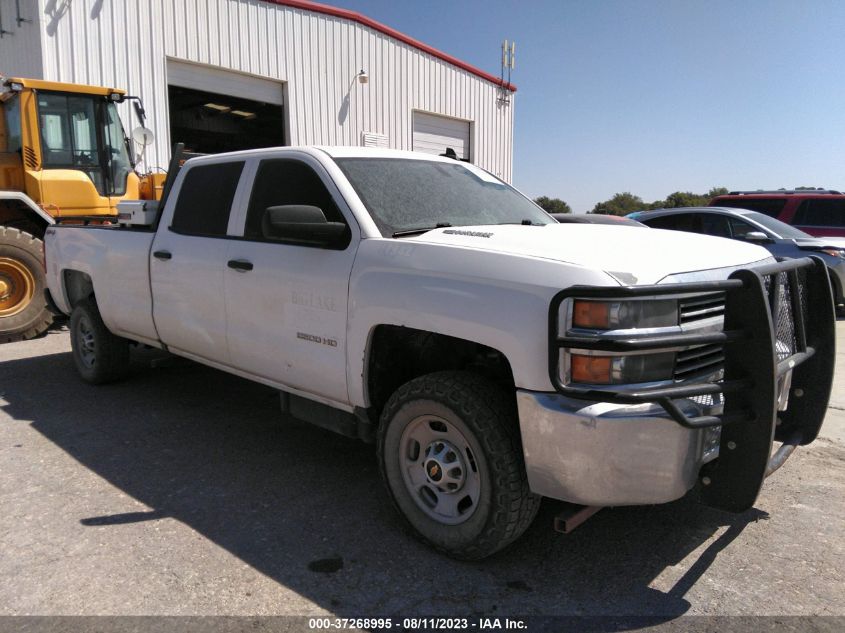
[{"x": 23, "y": 306}]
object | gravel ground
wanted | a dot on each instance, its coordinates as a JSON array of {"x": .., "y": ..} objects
[{"x": 182, "y": 492}]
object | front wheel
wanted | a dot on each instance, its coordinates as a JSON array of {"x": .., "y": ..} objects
[
  {"x": 99, "y": 355},
  {"x": 451, "y": 458}
]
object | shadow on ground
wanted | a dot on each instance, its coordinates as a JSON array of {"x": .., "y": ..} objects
[{"x": 306, "y": 507}]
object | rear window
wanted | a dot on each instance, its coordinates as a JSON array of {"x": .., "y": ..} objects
[
  {"x": 821, "y": 213},
  {"x": 767, "y": 206},
  {"x": 205, "y": 199}
]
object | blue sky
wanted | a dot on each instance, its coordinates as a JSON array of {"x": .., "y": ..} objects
[{"x": 652, "y": 96}]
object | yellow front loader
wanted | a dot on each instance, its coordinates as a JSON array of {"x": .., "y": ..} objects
[{"x": 64, "y": 158}]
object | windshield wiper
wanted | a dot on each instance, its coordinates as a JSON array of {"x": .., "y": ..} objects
[
  {"x": 521, "y": 222},
  {"x": 421, "y": 230}
]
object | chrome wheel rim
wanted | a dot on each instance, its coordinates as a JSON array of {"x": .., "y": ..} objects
[
  {"x": 440, "y": 469},
  {"x": 85, "y": 342}
]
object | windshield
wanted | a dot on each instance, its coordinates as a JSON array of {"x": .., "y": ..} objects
[
  {"x": 83, "y": 132},
  {"x": 115, "y": 145},
  {"x": 782, "y": 229},
  {"x": 404, "y": 195}
]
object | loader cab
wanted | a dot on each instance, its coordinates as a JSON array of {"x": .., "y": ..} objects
[
  {"x": 84, "y": 133},
  {"x": 71, "y": 146}
]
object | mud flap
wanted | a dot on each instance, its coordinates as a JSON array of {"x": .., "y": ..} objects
[{"x": 733, "y": 481}]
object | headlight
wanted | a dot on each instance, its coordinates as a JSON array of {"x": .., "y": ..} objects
[
  {"x": 833, "y": 252},
  {"x": 624, "y": 315},
  {"x": 633, "y": 314},
  {"x": 617, "y": 370}
]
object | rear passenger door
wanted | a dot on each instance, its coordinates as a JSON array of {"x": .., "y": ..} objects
[
  {"x": 287, "y": 301},
  {"x": 188, "y": 261}
]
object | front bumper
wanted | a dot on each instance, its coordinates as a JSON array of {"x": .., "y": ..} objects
[
  {"x": 600, "y": 445},
  {"x": 602, "y": 454}
]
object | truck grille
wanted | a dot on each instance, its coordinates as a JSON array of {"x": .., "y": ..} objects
[
  {"x": 702, "y": 307},
  {"x": 703, "y": 360},
  {"x": 707, "y": 360}
]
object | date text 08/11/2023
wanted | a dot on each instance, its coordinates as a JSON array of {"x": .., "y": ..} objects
[{"x": 417, "y": 624}]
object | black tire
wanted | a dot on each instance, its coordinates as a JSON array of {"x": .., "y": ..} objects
[
  {"x": 23, "y": 306},
  {"x": 469, "y": 409},
  {"x": 99, "y": 355}
]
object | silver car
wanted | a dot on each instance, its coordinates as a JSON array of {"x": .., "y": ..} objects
[{"x": 782, "y": 240}]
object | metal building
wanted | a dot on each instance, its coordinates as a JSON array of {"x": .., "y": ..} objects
[{"x": 229, "y": 74}]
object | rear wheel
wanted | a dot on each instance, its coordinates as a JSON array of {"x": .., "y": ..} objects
[
  {"x": 23, "y": 307},
  {"x": 451, "y": 459},
  {"x": 99, "y": 355}
]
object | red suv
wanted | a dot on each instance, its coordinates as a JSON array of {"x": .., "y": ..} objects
[{"x": 815, "y": 211}]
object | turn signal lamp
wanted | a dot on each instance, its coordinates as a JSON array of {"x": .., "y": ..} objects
[
  {"x": 593, "y": 370},
  {"x": 591, "y": 314}
]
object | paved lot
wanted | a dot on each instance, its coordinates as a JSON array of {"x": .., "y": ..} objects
[{"x": 180, "y": 491}]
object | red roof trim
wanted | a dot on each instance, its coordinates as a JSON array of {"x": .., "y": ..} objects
[{"x": 307, "y": 5}]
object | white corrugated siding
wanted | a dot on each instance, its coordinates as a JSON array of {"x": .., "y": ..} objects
[
  {"x": 20, "y": 49},
  {"x": 125, "y": 43}
]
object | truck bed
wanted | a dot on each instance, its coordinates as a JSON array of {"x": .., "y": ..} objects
[{"x": 116, "y": 261}]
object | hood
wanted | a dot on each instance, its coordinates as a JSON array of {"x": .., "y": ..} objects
[
  {"x": 821, "y": 242},
  {"x": 632, "y": 255}
]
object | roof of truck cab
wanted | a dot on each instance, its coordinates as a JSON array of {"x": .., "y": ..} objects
[{"x": 338, "y": 151}]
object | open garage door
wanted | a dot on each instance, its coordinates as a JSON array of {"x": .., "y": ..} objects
[
  {"x": 213, "y": 110},
  {"x": 434, "y": 134}
]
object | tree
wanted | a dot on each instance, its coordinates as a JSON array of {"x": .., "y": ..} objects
[
  {"x": 685, "y": 199},
  {"x": 716, "y": 191},
  {"x": 553, "y": 205},
  {"x": 620, "y": 204}
]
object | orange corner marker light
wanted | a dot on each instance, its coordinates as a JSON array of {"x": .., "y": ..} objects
[
  {"x": 591, "y": 369},
  {"x": 591, "y": 314}
]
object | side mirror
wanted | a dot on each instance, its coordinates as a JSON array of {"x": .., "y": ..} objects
[
  {"x": 305, "y": 224},
  {"x": 756, "y": 236}
]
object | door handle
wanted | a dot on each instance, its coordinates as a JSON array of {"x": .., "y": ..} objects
[
  {"x": 240, "y": 265},
  {"x": 162, "y": 255}
]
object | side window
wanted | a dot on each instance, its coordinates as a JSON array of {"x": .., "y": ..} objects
[
  {"x": 817, "y": 212},
  {"x": 714, "y": 224},
  {"x": 801, "y": 214},
  {"x": 12, "y": 109},
  {"x": 284, "y": 181},
  {"x": 767, "y": 206},
  {"x": 205, "y": 199},
  {"x": 740, "y": 228},
  {"x": 681, "y": 222}
]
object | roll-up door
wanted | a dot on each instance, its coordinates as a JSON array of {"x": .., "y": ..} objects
[
  {"x": 435, "y": 134},
  {"x": 215, "y": 110},
  {"x": 224, "y": 82}
]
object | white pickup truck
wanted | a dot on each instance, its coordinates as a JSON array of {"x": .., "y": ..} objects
[{"x": 494, "y": 355}]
